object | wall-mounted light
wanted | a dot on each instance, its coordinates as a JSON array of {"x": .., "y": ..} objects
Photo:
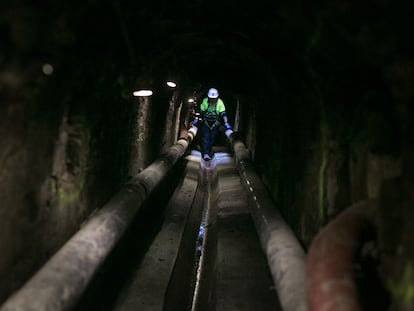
[
  {"x": 191, "y": 100},
  {"x": 142, "y": 93},
  {"x": 47, "y": 69},
  {"x": 171, "y": 84}
]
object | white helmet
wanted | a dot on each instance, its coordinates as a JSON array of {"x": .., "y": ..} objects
[{"x": 212, "y": 93}]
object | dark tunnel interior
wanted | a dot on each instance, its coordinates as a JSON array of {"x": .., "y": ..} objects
[{"x": 322, "y": 94}]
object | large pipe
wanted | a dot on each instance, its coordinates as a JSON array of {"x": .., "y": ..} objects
[
  {"x": 59, "y": 284},
  {"x": 331, "y": 256},
  {"x": 285, "y": 255}
]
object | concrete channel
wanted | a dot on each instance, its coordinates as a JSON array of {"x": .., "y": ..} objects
[{"x": 206, "y": 254}]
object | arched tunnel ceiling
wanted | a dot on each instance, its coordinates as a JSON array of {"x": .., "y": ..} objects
[
  {"x": 229, "y": 44},
  {"x": 209, "y": 58},
  {"x": 226, "y": 43},
  {"x": 237, "y": 44},
  {"x": 236, "y": 40}
]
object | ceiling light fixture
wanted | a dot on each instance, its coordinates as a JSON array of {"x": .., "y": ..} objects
[
  {"x": 171, "y": 84},
  {"x": 142, "y": 93}
]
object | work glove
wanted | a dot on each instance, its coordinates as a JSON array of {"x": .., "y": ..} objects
[{"x": 227, "y": 126}]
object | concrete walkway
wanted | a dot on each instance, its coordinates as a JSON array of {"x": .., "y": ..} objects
[{"x": 232, "y": 273}]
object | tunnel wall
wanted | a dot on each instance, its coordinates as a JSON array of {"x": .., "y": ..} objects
[
  {"x": 59, "y": 167},
  {"x": 339, "y": 130},
  {"x": 61, "y": 159},
  {"x": 68, "y": 136}
]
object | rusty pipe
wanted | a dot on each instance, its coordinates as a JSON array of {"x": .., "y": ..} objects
[{"x": 330, "y": 260}]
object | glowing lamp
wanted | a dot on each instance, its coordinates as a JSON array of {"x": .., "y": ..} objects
[
  {"x": 171, "y": 84},
  {"x": 142, "y": 93}
]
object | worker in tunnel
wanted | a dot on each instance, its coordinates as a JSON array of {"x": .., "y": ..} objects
[{"x": 213, "y": 111}]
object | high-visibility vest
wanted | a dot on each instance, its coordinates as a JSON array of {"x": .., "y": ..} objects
[{"x": 212, "y": 113}]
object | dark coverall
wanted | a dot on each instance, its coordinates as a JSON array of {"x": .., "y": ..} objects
[{"x": 211, "y": 116}]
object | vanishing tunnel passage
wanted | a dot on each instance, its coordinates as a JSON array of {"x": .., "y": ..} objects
[{"x": 320, "y": 94}]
